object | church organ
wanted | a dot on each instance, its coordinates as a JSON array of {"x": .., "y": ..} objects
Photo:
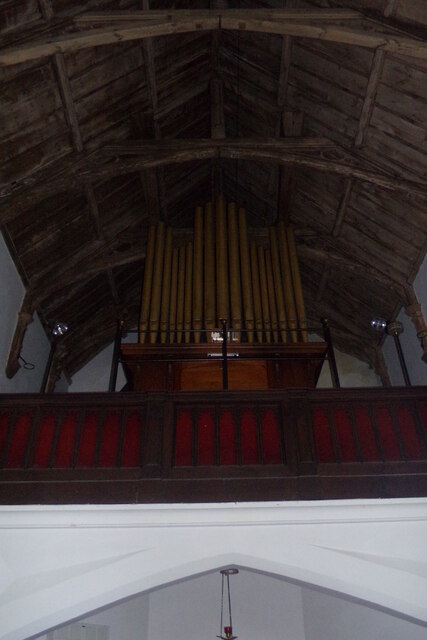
[{"x": 222, "y": 277}]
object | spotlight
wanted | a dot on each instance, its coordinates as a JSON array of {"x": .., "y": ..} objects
[
  {"x": 59, "y": 329},
  {"x": 378, "y": 324}
]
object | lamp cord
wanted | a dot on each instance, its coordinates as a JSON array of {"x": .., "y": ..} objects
[{"x": 229, "y": 600}]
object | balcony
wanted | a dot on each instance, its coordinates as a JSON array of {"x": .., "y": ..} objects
[{"x": 212, "y": 447}]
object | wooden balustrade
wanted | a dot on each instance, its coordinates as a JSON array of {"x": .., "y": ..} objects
[{"x": 216, "y": 446}]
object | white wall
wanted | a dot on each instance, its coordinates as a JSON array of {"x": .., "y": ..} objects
[
  {"x": 411, "y": 348},
  {"x": 190, "y": 610},
  {"x": 61, "y": 563},
  {"x": 262, "y": 607},
  {"x": 327, "y": 617},
  {"x": 351, "y": 371},
  {"x": 35, "y": 348},
  {"x": 95, "y": 375}
]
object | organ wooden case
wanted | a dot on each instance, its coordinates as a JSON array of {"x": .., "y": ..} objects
[{"x": 222, "y": 284}]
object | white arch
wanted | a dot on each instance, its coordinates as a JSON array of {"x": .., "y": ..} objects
[{"x": 60, "y": 563}]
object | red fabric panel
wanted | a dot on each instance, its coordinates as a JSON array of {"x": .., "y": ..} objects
[
  {"x": 67, "y": 435},
  {"x": 109, "y": 441},
  {"x": 366, "y": 435},
  {"x": 44, "y": 442},
  {"x": 387, "y": 434},
  {"x": 86, "y": 455},
  {"x": 3, "y": 431},
  {"x": 249, "y": 438},
  {"x": 409, "y": 433},
  {"x": 345, "y": 436},
  {"x": 205, "y": 438},
  {"x": 183, "y": 439},
  {"x": 132, "y": 441},
  {"x": 322, "y": 437},
  {"x": 15, "y": 456},
  {"x": 227, "y": 438},
  {"x": 270, "y": 438}
]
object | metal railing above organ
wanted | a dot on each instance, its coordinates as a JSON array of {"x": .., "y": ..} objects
[{"x": 190, "y": 289}]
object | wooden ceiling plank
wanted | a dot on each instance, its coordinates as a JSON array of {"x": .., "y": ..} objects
[{"x": 317, "y": 27}]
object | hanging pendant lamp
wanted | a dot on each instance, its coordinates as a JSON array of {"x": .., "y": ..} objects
[{"x": 226, "y": 630}]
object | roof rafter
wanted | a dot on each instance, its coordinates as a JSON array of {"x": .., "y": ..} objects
[
  {"x": 318, "y": 24},
  {"x": 319, "y": 154}
]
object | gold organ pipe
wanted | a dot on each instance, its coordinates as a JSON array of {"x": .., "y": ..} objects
[
  {"x": 234, "y": 265},
  {"x": 287, "y": 282},
  {"x": 296, "y": 279},
  {"x": 180, "y": 298},
  {"x": 248, "y": 309},
  {"x": 198, "y": 274},
  {"x": 166, "y": 287},
  {"x": 264, "y": 294},
  {"x": 271, "y": 296},
  {"x": 174, "y": 295},
  {"x": 209, "y": 271},
  {"x": 157, "y": 282},
  {"x": 256, "y": 291},
  {"x": 146, "y": 286},
  {"x": 221, "y": 262},
  {"x": 278, "y": 285},
  {"x": 188, "y": 291}
]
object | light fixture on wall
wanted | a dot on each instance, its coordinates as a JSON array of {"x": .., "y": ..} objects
[
  {"x": 226, "y": 629},
  {"x": 57, "y": 331},
  {"x": 393, "y": 329}
]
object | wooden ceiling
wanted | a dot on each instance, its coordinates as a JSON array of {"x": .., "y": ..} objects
[{"x": 115, "y": 114}]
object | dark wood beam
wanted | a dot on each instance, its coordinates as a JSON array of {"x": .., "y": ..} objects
[
  {"x": 153, "y": 182},
  {"x": 25, "y": 317},
  {"x": 318, "y": 24},
  {"x": 292, "y": 127},
  {"x": 319, "y": 154},
  {"x": 369, "y": 101}
]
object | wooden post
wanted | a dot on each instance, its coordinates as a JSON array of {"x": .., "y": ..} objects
[
  {"x": 25, "y": 317},
  {"x": 157, "y": 282},
  {"x": 116, "y": 356}
]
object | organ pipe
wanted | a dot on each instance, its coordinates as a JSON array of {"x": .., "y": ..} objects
[
  {"x": 146, "y": 286},
  {"x": 248, "y": 309},
  {"x": 296, "y": 280},
  {"x": 198, "y": 275},
  {"x": 221, "y": 262},
  {"x": 256, "y": 292},
  {"x": 287, "y": 282},
  {"x": 220, "y": 275},
  {"x": 174, "y": 296},
  {"x": 157, "y": 282},
  {"x": 166, "y": 288},
  {"x": 180, "y": 298},
  {"x": 278, "y": 285},
  {"x": 209, "y": 263},
  {"x": 188, "y": 291},
  {"x": 234, "y": 262},
  {"x": 265, "y": 306}
]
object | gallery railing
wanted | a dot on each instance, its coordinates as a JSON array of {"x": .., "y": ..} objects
[{"x": 216, "y": 446}]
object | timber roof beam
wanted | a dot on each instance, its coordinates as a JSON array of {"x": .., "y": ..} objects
[{"x": 339, "y": 26}]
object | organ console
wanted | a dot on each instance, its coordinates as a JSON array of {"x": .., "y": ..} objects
[{"x": 221, "y": 276}]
